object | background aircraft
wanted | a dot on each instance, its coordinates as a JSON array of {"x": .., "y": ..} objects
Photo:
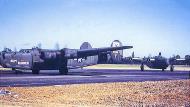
[
  {"x": 157, "y": 62},
  {"x": 177, "y": 60},
  {"x": 37, "y": 59},
  {"x": 116, "y": 57}
]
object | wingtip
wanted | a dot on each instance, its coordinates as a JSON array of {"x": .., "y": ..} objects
[{"x": 128, "y": 47}]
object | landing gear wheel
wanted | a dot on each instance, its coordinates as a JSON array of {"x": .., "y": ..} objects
[
  {"x": 35, "y": 71},
  {"x": 63, "y": 71},
  {"x": 36, "y": 68},
  {"x": 171, "y": 68},
  {"x": 163, "y": 69},
  {"x": 142, "y": 67},
  {"x": 14, "y": 69}
]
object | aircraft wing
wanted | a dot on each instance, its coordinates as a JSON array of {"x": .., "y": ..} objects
[
  {"x": 95, "y": 51},
  {"x": 181, "y": 59},
  {"x": 137, "y": 59}
]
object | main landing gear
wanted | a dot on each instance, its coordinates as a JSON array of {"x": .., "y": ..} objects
[
  {"x": 171, "y": 68},
  {"x": 63, "y": 71},
  {"x": 142, "y": 67},
  {"x": 35, "y": 71}
]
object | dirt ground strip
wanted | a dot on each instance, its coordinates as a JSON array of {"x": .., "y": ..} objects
[
  {"x": 135, "y": 67},
  {"x": 127, "y": 67},
  {"x": 159, "y": 93}
]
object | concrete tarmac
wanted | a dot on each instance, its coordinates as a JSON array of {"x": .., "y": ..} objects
[{"x": 80, "y": 76}]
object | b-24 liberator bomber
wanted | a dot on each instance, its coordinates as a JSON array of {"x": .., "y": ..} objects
[
  {"x": 157, "y": 62},
  {"x": 37, "y": 59}
]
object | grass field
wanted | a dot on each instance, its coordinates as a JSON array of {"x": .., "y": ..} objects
[{"x": 173, "y": 93}]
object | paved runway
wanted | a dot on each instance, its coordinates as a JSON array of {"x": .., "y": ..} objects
[{"x": 79, "y": 76}]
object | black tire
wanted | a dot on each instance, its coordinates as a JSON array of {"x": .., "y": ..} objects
[
  {"x": 35, "y": 71},
  {"x": 142, "y": 67},
  {"x": 35, "y": 68},
  {"x": 63, "y": 71},
  {"x": 14, "y": 69},
  {"x": 171, "y": 68},
  {"x": 163, "y": 69}
]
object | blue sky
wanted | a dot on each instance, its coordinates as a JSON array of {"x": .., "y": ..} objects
[{"x": 151, "y": 26}]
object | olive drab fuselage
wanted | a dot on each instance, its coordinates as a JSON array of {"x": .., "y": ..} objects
[
  {"x": 43, "y": 59},
  {"x": 37, "y": 59}
]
